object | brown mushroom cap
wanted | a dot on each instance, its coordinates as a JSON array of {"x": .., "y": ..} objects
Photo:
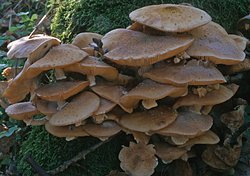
[
  {"x": 192, "y": 73},
  {"x": 138, "y": 159},
  {"x": 213, "y": 43},
  {"x": 93, "y": 66},
  {"x": 150, "y": 90},
  {"x": 170, "y": 17},
  {"x": 22, "y": 47},
  {"x": 168, "y": 153},
  {"x": 150, "y": 120},
  {"x": 209, "y": 157},
  {"x": 80, "y": 108},
  {"x": 133, "y": 48},
  {"x": 83, "y": 40},
  {"x": 58, "y": 57},
  {"x": 105, "y": 129},
  {"x": 62, "y": 90},
  {"x": 241, "y": 42},
  {"x": 208, "y": 137},
  {"x": 20, "y": 111},
  {"x": 46, "y": 107},
  {"x": 187, "y": 123},
  {"x": 214, "y": 97},
  {"x": 65, "y": 131},
  {"x": 105, "y": 106}
]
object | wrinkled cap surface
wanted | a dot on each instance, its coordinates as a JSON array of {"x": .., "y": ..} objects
[
  {"x": 192, "y": 73},
  {"x": 22, "y": 47},
  {"x": 138, "y": 159},
  {"x": 214, "y": 44},
  {"x": 80, "y": 108},
  {"x": 133, "y": 48},
  {"x": 170, "y": 17}
]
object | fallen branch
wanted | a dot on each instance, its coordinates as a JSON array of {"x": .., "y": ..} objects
[
  {"x": 76, "y": 158},
  {"x": 234, "y": 137},
  {"x": 37, "y": 168}
]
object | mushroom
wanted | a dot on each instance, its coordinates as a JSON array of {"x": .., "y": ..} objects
[
  {"x": 24, "y": 46},
  {"x": 11, "y": 72},
  {"x": 149, "y": 91},
  {"x": 47, "y": 108},
  {"x": 150, "y": 120},
  {"x": 72, "y": 113},
  {"x": 103, "y": 130},
  {"x": 214, "y": 44},
  {"x": 133, "y": 48},
  {"x": 21, "y": 111},
  {"x": 93, "y": 66},
  {"x": 138, "y": 159},
  {"x": 65, "y": 131},
  {"x": 170, "y": 17},
  {"x": 241, "y": 42},
  {"x": 58, "y": 57},
  {"x": 191, "y": 73},
  {"x": 168, "y": 153},
  {"x": 237, "y": 68},
  {"x": 83, "y": 40},
  {"x": 187, "y": 124},
  {"x": 207, "y": 137},
  {"x": 214, "y": 97}
]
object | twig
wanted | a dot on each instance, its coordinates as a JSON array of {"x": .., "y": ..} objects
[
  {"x": 17, "y": 4},
  {"x": 233, "y": 139},
  {"x": 76, "y": 158},
  {"x": 41, "y": 21},
  {"x": 40, "y": 171}
]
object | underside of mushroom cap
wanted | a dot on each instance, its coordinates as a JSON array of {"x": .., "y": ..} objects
[
  {"x": 133, "y": 48},
  {"x": 170, "y": 17}
]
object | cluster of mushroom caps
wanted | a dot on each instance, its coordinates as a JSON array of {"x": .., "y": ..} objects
[{"x": 156, "y": 80}]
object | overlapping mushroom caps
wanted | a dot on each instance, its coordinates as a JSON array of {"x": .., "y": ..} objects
[{"x": 157, "y": 80}]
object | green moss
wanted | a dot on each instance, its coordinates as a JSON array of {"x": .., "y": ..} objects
[
  {"x": 50, "y": 152},
  {"x": 77, "y": 16}
]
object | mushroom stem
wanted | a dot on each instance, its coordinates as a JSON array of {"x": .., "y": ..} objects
[
  {"x": 206, "y": 109},
  {"x": 144, "y": 69},
  {"x": 61, "y": 105},
  {"x": 148, "y": 104},
  {"x": 59, "y": 74},
  {"x": 91, "y": 79},
  {"x": 196, "y": 108},
  {"x": 98, "y": 119}
]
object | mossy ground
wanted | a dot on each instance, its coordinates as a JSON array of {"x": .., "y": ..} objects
[{"x": 77, "y": 16}]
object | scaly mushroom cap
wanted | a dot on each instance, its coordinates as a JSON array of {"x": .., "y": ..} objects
[
  {"x": 93, "y": 66},
  {"x": 83, "y": 40},
  {"x": 21, "y": 111},
  {"x": 80, "y": 108},
  {"x": 241, "y": 42},
  {"x": 133, "y": 48},
  {"x": 213, "y": 43},
  {"x": 192, "y": 73},
  {"x": 168, "y": 153},
  {"x": 138, "y": 159},
  {"x": 58, "y": 57},
  {"x": 103, "y": 130},
  {"x": 150, "y": 90},
  {"x": 60, "y": 90},
  {"x": 66, "y": 131},
  {"x": 105, "y": 106},
  {"x": 208, "y": 137},
  {"x": 209, "y": 157},
  {"x": 150, "y": 120},
  {"x": 22, "y": 47},
  {"x": 188, "y": 124},
  {"x": 170, "y": 17},
  {"x": 214, "y": 97}
]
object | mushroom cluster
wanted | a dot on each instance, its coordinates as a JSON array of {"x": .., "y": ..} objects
[{"x": 156, "y": 80}]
